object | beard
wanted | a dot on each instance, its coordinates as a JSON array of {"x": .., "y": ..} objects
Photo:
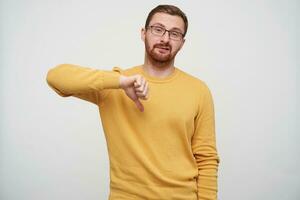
[{"x": 160, "y": 53}]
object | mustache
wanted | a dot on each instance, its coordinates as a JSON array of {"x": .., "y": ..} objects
[{"x": 162, "y": 46}]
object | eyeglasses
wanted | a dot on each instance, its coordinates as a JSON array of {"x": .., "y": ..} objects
[{"x": 160, "y": 31}]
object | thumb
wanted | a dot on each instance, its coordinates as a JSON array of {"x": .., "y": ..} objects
[{"x": 139, "y": 105}]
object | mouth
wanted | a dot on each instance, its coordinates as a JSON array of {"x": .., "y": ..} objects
[{"x": 163, "y": 49}]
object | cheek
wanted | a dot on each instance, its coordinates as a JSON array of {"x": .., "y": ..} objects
[
  {"x": 149, "y": 43},
  {"x": 175, "y": 47},
  {"x": 154, "y": 41}
]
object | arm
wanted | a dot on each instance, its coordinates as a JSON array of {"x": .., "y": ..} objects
[
  {"x": 204, "y": 148},
  {"x": 82, "y": 82}
]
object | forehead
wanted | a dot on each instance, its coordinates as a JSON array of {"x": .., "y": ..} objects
[{"x": 168, "y": 21}]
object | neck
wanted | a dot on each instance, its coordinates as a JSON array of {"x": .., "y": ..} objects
[{"x": 158, "y": 69}]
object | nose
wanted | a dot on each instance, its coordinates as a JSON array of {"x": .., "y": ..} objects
[{"x": 165, "y": 37}]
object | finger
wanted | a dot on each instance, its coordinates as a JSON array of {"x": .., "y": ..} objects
[
  {"x": 142, "y": 87},
  {"x": 138, "y": 81},
  {"x": 147, "y": 91},
  {"x": 141, "y": 90},
  {"x": 144, "y": 97},
  {"x": 143, "y": 94},
  {"x": 139, "y": 105},
  {"x": 143, "y": 81}
]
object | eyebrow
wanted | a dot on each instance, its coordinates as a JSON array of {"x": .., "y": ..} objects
[{"x": 174, "y": 28}]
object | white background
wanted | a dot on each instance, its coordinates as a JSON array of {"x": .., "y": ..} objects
[{"x": 54, "y": 148}]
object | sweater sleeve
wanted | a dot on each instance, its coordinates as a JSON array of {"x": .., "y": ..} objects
[
  {"x": 83, "y": 82},
  {"x": 204, "y": 148}
]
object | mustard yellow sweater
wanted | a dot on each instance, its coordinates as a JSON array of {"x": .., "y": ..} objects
[{"x": 167, "y": 152}]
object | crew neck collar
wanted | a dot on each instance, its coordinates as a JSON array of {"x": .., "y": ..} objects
[{"x": 158, "y": 79}]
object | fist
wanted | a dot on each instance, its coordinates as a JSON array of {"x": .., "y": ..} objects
[{"x": 135, "y": 87}]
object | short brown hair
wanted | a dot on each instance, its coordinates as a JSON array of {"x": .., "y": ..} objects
[{"x": 171, "y": 10}]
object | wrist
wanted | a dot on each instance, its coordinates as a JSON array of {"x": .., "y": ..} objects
[{"x": 121, "y": 81}]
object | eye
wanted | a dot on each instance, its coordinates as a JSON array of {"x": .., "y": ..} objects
[
  {"x": 158, "y": 29},
  {"x": 175, "y": 34}
]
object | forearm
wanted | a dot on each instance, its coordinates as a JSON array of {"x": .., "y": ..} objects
[{"x": 69, "y": 79}]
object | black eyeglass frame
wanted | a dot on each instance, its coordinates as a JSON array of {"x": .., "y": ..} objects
[{"x": 164, "y": 31}]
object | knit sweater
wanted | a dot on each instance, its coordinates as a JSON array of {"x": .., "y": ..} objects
[{"x": 166, "y": 152}]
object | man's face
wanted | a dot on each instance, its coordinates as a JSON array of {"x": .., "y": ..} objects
[{"x": 161, "y": 48}]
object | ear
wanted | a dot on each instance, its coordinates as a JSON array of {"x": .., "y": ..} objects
[{"x": 143, "y": 34}]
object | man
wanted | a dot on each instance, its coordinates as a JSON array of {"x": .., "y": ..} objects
[{"x": 164, "y": 147}]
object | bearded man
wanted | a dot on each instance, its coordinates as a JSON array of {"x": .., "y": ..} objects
[{"x": 158, "y": 120}]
